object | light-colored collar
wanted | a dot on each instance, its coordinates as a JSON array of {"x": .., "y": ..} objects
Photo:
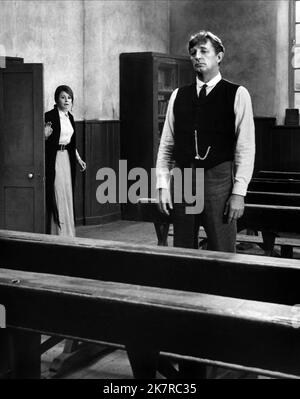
[
  {"x": 61, "y": 113},
  {"x": 210, "y": 83}
]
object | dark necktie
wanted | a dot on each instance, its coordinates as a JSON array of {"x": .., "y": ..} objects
[{"x": 202, "y": 94}]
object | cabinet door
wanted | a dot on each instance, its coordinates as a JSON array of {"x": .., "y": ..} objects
[
  {"x": 172, "y": 73},
  {"x": 22, "y": 194},
  {"x": 167, "y": 82}
]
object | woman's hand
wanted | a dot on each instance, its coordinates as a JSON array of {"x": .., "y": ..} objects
[
  {"x": 82, "y": 165},
  {"x": 48, "y": 129},
  {"x": 81, "y": 162}
]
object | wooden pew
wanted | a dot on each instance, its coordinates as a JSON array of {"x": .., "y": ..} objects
[
  {"x": 276, "y": 218},
  {"x": 272, "y": 205},
  {"x": 274, "y": 185},
  {"x": 224, "y": 274},
  {"x": 219, "y": 273},
  {"x": 270, "y": 198},
  {"x": 286, "y": 244},
  {"x": 268, "y": 218},
  {"x": 281, "y": 191},
  {"x": 263, "y": 337},
  {"x": 278, "y": 175}
]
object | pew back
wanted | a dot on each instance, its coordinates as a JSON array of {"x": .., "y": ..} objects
[
  {"x": 274, "y": 185},
  {"x": 236, "y": 275},
  {"x": 272, "y": 174},
  {"x": 257, "y": 335}
]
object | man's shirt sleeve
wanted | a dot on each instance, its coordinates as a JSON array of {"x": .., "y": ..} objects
[
  {"x": 165, "y": 152},
  {"x": 245, "y": 144}
]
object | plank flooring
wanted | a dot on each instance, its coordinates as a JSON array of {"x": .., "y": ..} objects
[{"x": 114, "y": 365}]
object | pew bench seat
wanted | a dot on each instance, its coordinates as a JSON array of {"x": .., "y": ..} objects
[
  {"x": 287, "y": 244},
  {"x": 260, "y": 337},
  {"x": 254, "y": 278}
]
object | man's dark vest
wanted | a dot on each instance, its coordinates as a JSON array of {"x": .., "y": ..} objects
[{"x": 214, "y": 121}]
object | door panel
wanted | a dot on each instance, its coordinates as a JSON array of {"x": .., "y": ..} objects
[
  {"x": 19, "y": 208},
  {"x": 22, "y": 191},
  {"x": 19, "y": 125}
]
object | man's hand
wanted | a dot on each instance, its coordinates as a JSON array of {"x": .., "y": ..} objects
[
  {"x": 165, "y": 201},
  {"x": 234, "y": 207}
]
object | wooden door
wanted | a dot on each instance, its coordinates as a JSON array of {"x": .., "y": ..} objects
[{"x": 22, "y": 182}]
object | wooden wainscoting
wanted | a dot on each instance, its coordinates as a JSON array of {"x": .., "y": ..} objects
[
  {"x": 102, "y": 149},
  {"x": 263, "y": 140},
  {"x": 98, "y": 143},
  {"x": 277, "y": 147},
  {"x": 286, "y": 148},
  {"x": 80, "y": 178}
]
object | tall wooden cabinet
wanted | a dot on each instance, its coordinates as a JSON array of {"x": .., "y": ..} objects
[{"x": 146, "y": 83}]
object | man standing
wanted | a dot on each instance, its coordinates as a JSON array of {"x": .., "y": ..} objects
[{"x": 208, "y": 125}]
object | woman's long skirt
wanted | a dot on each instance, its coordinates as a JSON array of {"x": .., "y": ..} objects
[{"x": 64, "y": 196}]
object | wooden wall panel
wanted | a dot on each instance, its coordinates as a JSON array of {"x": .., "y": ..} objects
[
  {"x": 277, "y": 147},
  {"x": 263, "y": 141},
  {"x": 98, "y": 142},
  {"x": 80, "y": 177},
  {"x": 286, "y": 148},
  {"x": 102, "y": 149}
]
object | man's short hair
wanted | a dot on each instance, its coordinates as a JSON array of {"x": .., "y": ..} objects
[{"x": 202, "y": 37}]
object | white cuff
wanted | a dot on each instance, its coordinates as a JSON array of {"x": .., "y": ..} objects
[
  {"x": 239, "y": 189},
  {"x": 163, "y": 182}
]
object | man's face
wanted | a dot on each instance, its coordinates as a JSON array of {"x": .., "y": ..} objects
[{"x": 204, "y": 58}]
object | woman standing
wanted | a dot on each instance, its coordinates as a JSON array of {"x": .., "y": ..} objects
[{"x": 61, "y": 157}]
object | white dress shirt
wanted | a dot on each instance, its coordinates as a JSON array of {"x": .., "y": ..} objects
[
  {"x": 245, "y": 144},
  {"x": 66, "y": 128}
]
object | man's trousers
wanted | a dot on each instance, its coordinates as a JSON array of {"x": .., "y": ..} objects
[{"x": 221, "y": 236}]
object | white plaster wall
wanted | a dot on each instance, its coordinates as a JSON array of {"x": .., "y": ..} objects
[
  {"x": 48, "y": 32},
  {"x": 79, "y": 43},
  {"x": 255, "y": 35},
  {"x": 111, "y": 28},
  {"x": 282, "y": 61}
]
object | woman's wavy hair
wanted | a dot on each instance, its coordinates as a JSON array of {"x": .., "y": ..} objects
[{"x": 61, "y": 88}]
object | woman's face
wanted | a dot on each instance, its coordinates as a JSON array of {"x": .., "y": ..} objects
[{"x": 64, "y": 101}]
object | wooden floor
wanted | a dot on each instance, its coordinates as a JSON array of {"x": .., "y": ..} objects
[
  {"x": 144, "y": 233},
  {"x": 115, "y": 365},
  {"x": 123, "y": 230}
]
